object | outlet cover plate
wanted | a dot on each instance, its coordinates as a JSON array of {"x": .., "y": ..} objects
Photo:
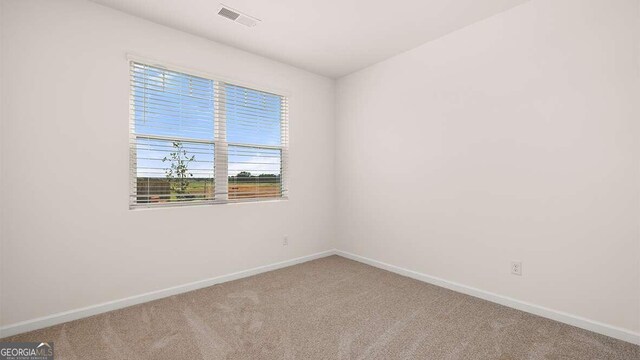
[{"x": 516, "y": 268}]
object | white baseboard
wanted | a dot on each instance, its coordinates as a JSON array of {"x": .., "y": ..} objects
[
  {"x": 587, "y": 324},
  {"x": 59, "y": 318}
]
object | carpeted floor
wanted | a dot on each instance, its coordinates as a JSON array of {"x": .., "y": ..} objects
[{"x": 331, "y": 308}]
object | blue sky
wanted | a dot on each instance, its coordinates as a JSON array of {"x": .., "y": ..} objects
[{"x": 173, "y": 105}]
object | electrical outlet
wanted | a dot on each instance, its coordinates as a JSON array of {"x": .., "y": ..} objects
[
  {"x": 285, "y": 240},
  {"x": 516, "y": 268}
]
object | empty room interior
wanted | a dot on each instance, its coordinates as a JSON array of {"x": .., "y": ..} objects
[{"x": 319, "y": 179}]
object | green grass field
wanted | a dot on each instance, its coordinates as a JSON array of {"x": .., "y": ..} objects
[{"x": 158, "y": 190}]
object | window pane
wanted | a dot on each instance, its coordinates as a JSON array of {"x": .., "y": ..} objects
[
  {"x": 171, "y": 104},
  {"x": 254, "y": 173},
  {"x": 170, "y": 171},
  {"x": 253, "y": 117}
]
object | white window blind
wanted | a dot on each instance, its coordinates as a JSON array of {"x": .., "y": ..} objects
[{"x": 195, "y": 140}]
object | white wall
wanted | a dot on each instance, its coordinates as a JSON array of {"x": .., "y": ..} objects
[
  {"x": 515, "y": 138},
  {"x": 69, "y": 239},
  {"x": 2, "y": 210}
]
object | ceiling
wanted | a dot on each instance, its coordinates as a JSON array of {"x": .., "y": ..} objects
[{"x": 328, "y": 37}]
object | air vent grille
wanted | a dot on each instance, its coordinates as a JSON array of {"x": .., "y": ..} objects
[
  {"x": 237, "y": 16},
  {"x": 229, "y": 14}
]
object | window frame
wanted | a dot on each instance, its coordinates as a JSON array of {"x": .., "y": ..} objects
[{"x": 219, "y": 142}]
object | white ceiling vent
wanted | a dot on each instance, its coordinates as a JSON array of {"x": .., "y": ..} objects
[{"x": 237, "y": 16}]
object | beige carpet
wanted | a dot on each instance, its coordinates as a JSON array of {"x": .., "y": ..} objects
[{"x": 332, "y": 308}]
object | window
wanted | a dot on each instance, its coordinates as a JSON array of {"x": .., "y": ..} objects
[{"x": 195, "y": 140}]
